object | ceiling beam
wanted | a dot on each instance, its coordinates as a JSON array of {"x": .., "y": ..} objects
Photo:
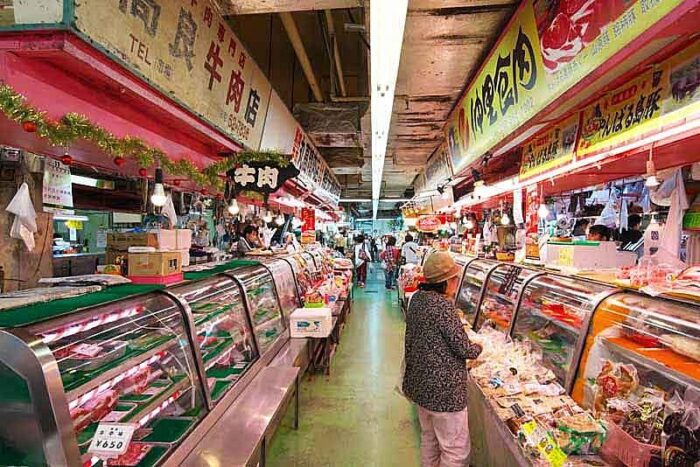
[
  {"x": 247, "y": 7},
  {"x": 336, "y": 52},
  {"x": 295, "y": 38}
]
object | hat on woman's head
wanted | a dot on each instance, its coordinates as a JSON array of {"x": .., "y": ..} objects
[{"x": 440, "y": 267}]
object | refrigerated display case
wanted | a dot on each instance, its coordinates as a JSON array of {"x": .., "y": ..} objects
[
  {"x": 285, "y": 283},
  {"x": 129, "y": 361},
  {"x": 222, "y": 330},
  {"x": 269, "y": 326},
  {"x": 501, "y": 294},
  {"x": 469, "y": 293},
  {"x": 553, "y": 318}
]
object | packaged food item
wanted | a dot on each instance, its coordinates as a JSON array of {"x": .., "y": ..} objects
[
  {"x": 614, "y": 380},
  {"x": 580, "y": 434},
  {"x": 684, "y": 345},
  {"x": 132, "y": 457}
]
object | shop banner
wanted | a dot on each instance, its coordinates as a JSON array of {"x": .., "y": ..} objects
[
  {"x": 429, "y": 224},
  {"x": 314, "y": 172},
  {"x": 187, "y": 50},
  {"x": 548, "y": 47},
  {"x": 550, "y": 149},
  {"x": 438, "y": 169},
  {"x": 261, "y": 177},
  {"x": 57, "y": 190},
  {"x": 667, "y": 93},
  {"x": 308, "y": 217}
]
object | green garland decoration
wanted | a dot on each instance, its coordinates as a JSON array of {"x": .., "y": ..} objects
[{"x": 73, "y": 126}]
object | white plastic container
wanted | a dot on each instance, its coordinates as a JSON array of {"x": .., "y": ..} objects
[{"x": 311, "y": 322}]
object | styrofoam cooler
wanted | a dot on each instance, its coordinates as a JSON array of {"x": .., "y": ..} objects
[
  {"x": 185, "y": 257},
  {"x": 311, "y": 322}
]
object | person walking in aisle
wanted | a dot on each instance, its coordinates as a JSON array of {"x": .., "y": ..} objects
[
  {"x": 362, "y": 258},
  {"x": 409, "y": 251},
  {"x": 390, "y": 262},
  {"x": 435, "y": 377},
  {"x": 340, "y": 242}
]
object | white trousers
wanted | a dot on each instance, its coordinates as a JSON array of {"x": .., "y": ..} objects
[{"x": 444, "y": 438}]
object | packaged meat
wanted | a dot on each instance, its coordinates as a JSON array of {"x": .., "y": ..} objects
[
  {"x": 684, "y": 345},
  {"x": 614, "y": 380},
  {"x": 132, "y": 457},
  {"x": 81, "y": 418},
  {"x": 89, "y": 355},
  {"x": 101, "y": 405}
]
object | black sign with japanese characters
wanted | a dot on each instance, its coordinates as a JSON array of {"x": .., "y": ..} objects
[{"x": 261, "y": 177}]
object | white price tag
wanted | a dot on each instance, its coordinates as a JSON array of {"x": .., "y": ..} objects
[
  {"x": 112, "y": 439},
  {"x": 88, "y": 350}
]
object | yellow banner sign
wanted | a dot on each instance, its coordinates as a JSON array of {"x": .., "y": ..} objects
[
  {"x": 549, "y": 149},
  {"x": 667, "y": 93},
  {"x": 549, "y": 46},
  {"x": 187, "y": 50}
]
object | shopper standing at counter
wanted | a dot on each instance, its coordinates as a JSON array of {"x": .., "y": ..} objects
[{"x": 435, "y": 378}]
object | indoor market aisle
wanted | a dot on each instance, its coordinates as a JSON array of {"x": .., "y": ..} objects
[{"x": 354, "y": 417}]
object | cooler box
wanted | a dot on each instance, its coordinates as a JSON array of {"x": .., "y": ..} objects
[
  {"x": 183, "y": 239},
  {"x": 159, "y": 263},
  {"x": 311, "y": 322},
  {"x": 167, "y": 239}
]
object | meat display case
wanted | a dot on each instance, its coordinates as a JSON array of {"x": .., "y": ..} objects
[
  {"x": 222, "y": 330},
  {"x": 130, "y": 360},
  {"x": 282, "y": 270},
  {"x": 658, "y": 340},
  {"x": 501, "y": 295},
  {"x": 553, "y": 318},
  {"x": 469, "y": 294},
  {"x": 269, "y": 326}
]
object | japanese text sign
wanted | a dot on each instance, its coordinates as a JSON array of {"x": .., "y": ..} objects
[
  {"x": 549, "y": 149},
  {"x": 315, "y": 173},
  {"x": 57, "y": 188},
  {"x": 308, "y": 217},
  {"x": 187, "y": 50},
  {"x": 262, "y": 177},
  {"x": 112, "y": 439},
  {"x": 438, "y": 168},
  {"x": 548, "y": 47}
]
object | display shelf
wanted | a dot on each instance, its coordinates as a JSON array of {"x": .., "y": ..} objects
[
  {"x": 169, "y": 430},
  {"x": 501, "y": 295},
  {"x": 151, "y": 459},
  {"x": 219, "y": 388},
  {"x": 179, "y": 384}
]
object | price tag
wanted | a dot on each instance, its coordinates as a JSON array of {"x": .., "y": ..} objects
[
  {"x": 111, "y": 439},
  {"x": 88, "y": 350},
  {"x": 566, "y": 256}
]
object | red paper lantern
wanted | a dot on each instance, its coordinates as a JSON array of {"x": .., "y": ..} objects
[
  {"x": 119, "y": 161},
  {"x": 143, "y": 172},
  {"x": 29, "y": 126},
  {"x": 67, "y": 159},
  {"x": 176, "y": 182}
]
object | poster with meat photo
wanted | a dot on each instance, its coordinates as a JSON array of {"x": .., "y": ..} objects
[{"x": 566, "y": 27}]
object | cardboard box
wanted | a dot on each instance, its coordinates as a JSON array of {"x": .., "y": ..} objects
[
  {"x": 311, "y": 322},
  {"x": 167, "y": 239},
  {"x": 160, "y": 263},
  {"x": 184, "y": 239},
  {"x": 112, "y": 255},
  {"x": 117, "y": 241}
]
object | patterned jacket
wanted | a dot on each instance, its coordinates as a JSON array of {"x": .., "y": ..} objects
[{"x": 437, "y": 348}]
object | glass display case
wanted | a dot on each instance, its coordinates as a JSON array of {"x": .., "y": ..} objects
[
  {"x": 309, "y": 262},
  {"x": 553, "y": 318},
  {"x": 222, "y": 330},
  {"x": 641, "y": 371},
  {"x": 128, "y": 361},
  {"x": 501, "y": 294},
  {"x": 286, "y": 284},
  {"x": 470, "y": 290},
  {"x": 263, "y": 305}
]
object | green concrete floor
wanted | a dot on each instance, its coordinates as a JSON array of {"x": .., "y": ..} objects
[{"x": 353, "y": 417}]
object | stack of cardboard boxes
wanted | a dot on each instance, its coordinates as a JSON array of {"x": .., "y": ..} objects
[{"x": 163, "y": 265}]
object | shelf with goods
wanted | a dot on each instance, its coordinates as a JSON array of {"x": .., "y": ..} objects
[
  {"x": 469, "y": 293},
  {"x": 553, "y": 319},
  {"x": 222, "y": 331},
  {"x": 501, "y": 292},
  {"x": 128, "y": 361}
]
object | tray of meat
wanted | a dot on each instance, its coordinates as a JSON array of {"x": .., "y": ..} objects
[
  {"x": 137, "y": 383},
  {"x": 93, "y": 410},
  {"x": 87, "y": 356},
  {"x": 139, "y": 454}
]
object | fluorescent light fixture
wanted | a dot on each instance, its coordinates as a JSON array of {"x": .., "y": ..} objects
[
  {"x": 387, "y": 21},
  {"x": 70, "y": 217},
  {"x": 367, "y": 200}
]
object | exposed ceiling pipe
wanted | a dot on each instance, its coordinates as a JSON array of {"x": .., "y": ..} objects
[
  {"x": 293, "y": 33},
  {"x": 336, "y": 52}
]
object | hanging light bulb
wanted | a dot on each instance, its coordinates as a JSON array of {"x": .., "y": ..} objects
[
  {"x": 543, "y": 211},
  {"x": 233, "y": 208},
  {"x": 296, "y": 223},
  {"x": 469, "y": 224},
  {"x": 479, "y": 188},
  {"x": 505, "y": 219},
  {"x": 453, "y": 225},
  {"x": 267, "y": 218},
  {"x": 651, "y": 179},
  {"x": 158, "y": 197},
  {"x": 465, "y": 220},
  {"x": 280, "y": 219}
]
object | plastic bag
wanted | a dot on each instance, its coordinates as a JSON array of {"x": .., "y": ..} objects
[{"x": 24, "y": 226}]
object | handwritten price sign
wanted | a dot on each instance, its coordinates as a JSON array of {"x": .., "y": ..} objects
[{"x": 112, "y": 439}]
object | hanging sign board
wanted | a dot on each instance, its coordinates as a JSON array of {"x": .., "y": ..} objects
[
  {"x": 187, "y": 50},
  {"x": 57, "y": 190},
  {"x": 667, "y": 93},
  {"x": 308, "y": 217},
  {"x": 550, "y": 149},
  {"x": 547, "y": 48},
  {"x": 315, "y": 173},
  {"x": 438, "y": 169},
  {"x": 261, "y": 177},
  {"x": 428, "y": 224}
]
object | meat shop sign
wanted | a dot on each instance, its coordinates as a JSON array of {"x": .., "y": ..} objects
[{"x": 548, "y": 47}]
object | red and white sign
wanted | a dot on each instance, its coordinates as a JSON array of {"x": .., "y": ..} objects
[
  {"x": 308, "y": 217},
  {"x": 428, "y": 224}
]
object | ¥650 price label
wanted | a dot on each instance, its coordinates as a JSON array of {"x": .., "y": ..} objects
[{"x": 112, "y": 439}]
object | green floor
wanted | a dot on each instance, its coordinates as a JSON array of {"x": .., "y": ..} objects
[{"x": 353, "y": 417}]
